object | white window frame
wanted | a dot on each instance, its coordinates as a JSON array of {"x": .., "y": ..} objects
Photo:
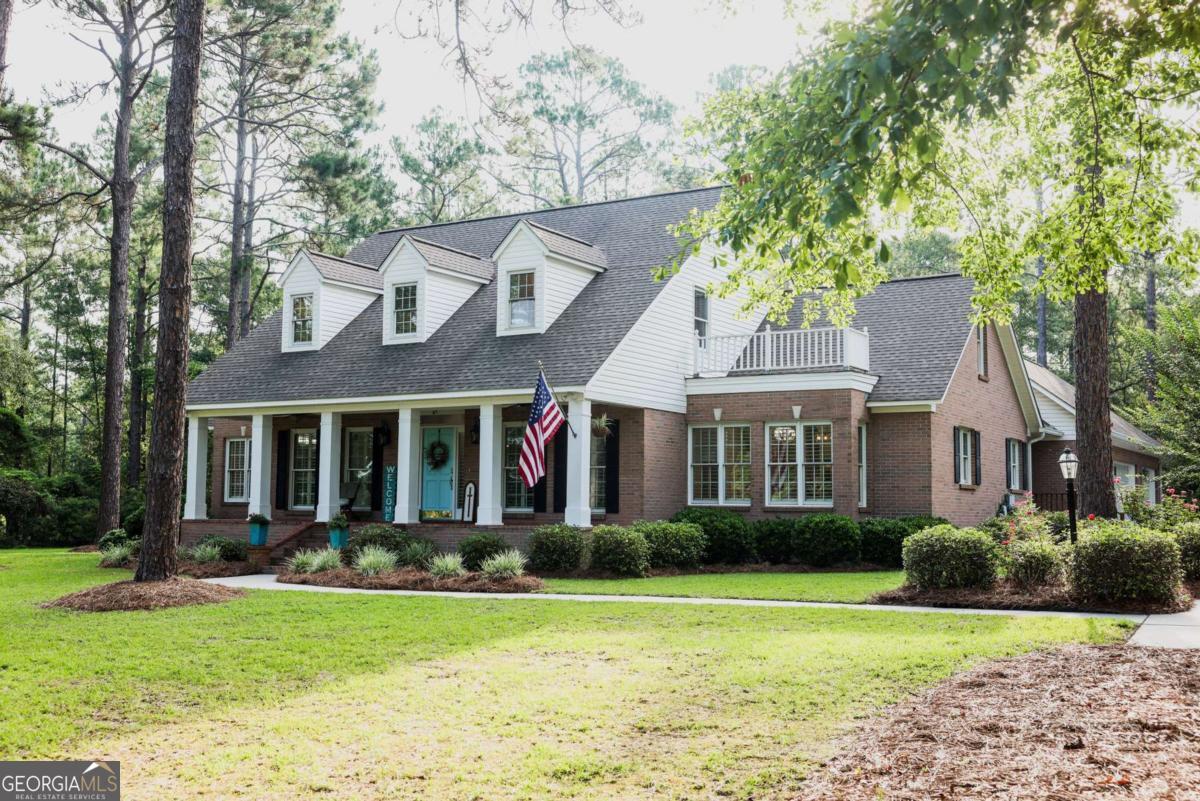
[
  {"x": 966, "y": 456},
  {"x": 345, "y": 460},
  {"x": 596, "y": 467},
  {"x": 697, "y": 320},
  {"x": 508, "y": 300},
  {"x": 1016, "y": 466},
  {"x": 721, "y": 464},
  {"x": 296, "y": 432},
  {"x": 862, "y": 465},
  {"x": 311, "y": 297},
  {"x": 504, "y": 499},
  {"x": 802, "y": 500},
  {"x": 416, "y": 310},
  {"x": 244, "y": 469},
  {"x": 981, "y": 354}
]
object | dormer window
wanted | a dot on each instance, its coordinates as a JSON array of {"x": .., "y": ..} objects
[
  {"x": 302, "y": 319},
  {"x": 405, "y": 309},
  {"x": 700, "y": 314},
  {"x": 521, "y": 301}
]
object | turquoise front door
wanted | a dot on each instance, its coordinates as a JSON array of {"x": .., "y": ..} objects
[{"x": 438, "y": 460}]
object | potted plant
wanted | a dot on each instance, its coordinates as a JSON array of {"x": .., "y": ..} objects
[
  {"x": 339, "y": 531},
  {"x": 258, "y": 528}
]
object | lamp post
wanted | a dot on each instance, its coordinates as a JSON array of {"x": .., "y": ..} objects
[{"x": 1068, "y": 463}]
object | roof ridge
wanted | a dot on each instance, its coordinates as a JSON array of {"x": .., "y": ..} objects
[
  {"x": 551, "y": 208},
  {"x": 924, "y": 277},
  {"x": 343, "y": 259},
  {"x": 431, "y": 243}
]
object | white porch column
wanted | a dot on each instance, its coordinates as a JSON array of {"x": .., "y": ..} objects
[
  {"x": 579, "y": 503},
  {"x": 260, "y": 464},
  {"x": 196, "y": 505},
  {"x": 329, "y": 472},
  {"x": 491, "y": 465},
  {"x": 408, "y": 467}
]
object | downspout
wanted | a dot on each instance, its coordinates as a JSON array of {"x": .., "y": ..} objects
[{"x": 1029, "y": 459}]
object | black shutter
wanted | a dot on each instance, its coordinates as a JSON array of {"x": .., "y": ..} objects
[
  {"x": 612, "y": 470},
  {"x": 1024, "y": 451},
  {"x": 978, "y": 460},
  {"x": 539, "y": 496},
  {"x": 282, "y": 457},
  {"x": 376, "y": 469},
  {"x": 560, "y": 469},
  {"x": 957, "y": 459},
  {"x": 1008, "y": 465}
]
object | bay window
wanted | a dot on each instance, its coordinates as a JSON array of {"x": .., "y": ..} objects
[
  {"x": 719, "y": 460},
  {"x": 800, "y": 464}
]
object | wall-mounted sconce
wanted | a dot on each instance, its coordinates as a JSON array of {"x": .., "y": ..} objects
[
  {"x": 717, "y": 414},
  {"x": 796, "y": 411}
]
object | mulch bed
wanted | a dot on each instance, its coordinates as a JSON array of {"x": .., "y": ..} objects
[
  {"x": 93, "y": 548},
  {"x": 202, "y": 570},
  {"x": 1007, "y": 595},
  {"x": 410, "y": 579},
  {"x": 124, "y": 596},
  {"x": 1079, "y": 723}
]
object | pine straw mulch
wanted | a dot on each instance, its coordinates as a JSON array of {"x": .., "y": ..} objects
[
  {"x": 92, "y": 548},
  {"x": 124, "y": 596},
  {"x": 1078, "y": 723},
  {"x": 203, "y": 570},
  {"x": 411, "y": 579},
  {"x": 1007, "y": 595}
]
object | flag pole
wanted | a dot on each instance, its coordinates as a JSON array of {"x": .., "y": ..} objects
[{"x": 567, "y": 420}]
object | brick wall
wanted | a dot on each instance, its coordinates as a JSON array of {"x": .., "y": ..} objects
[
  {"x": 1047, "y": 477},
  {"x": 662, "y": 450},
  {"x": 899, "y": 480}
]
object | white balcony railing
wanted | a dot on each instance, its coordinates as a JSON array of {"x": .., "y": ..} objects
[{"x": 780, "y": 351}]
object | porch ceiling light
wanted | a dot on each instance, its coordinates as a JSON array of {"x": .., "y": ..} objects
[{"x": 1068, "y": 463}]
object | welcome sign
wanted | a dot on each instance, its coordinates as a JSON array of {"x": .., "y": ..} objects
[{"x": 389, "y": 493}]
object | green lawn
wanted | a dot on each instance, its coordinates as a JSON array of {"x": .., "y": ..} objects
[
  {"x": 286, "y": 695},
  {"x": 835, "y": 587}
]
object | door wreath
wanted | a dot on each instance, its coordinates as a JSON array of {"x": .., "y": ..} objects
[{"x": 437, "y": 454}]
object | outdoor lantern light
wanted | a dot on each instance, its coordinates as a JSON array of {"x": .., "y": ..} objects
[{"x": 1068, "y": 463}]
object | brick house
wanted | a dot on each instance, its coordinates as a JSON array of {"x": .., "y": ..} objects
[{"x": 395, "y": 383}]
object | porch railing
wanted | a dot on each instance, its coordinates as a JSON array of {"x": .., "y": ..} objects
[{"x": 779, "y": 351}]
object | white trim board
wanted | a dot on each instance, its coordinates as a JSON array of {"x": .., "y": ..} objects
[
  {"x": 383, "y": 402},
  {"x": 780, "y": 382}
]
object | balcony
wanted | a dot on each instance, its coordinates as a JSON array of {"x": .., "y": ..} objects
[{"x": 783, "y": 351}]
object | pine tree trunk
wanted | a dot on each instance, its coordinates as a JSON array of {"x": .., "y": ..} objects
[
  {"x": 165, "y": 465},
  {"x": 137, "y": 392},
  {"x": 233, "y": 324},
  {"x": 6, "y": 10},
  {"x": 122, "y": 189},
  {"x": 1041, "y": 317},
  {"x": 247, "y": 271},
  {"x": 1151, "y": 326},
  {"x": 1093, "y": 424}
]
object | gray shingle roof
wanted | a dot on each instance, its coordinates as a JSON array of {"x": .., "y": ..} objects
[
  {"x": 465, "y": 354},
  {"x": 918, "y": 327},
  {"x": 457, "y": 261},
  {"x": 568, "y": 246},
  {"x": 346, "y": 270},
  {"x": 1064, "y": 391}
]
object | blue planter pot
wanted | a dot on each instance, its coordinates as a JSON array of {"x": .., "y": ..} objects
[
  {"x": 258, "y": 533},
  {"x": 338, "y": 537}
]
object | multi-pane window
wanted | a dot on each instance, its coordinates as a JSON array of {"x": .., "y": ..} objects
[
  {"x": 800, "y": 463},
  {"x": 720, "y": 464},
  {"x": 1016, "y": 464},
  {"x": 598, "y": 480},
  {"x": 356, "y": 467},
  {"x": 302, "y": 319},
  {"x": 304, "y": 468},
  {"x": 700, "y": 314},
  {"x": 981, "y": 349},
  {"x": 966, "y": 442},
  {"x": 405, "y": 299},
  {"x": 520, "y": 300},
  {"x": 517, "y": 496},
  {"x": 237, "y": 469},
  {"x": 862, "y": 464}
]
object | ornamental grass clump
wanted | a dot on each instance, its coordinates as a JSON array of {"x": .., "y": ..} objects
[
  {"x": 504, "y": 565},
  {"x": 310, "y": 561},
  {"x": 116, "y": 555},
  {"x": 373, "y": 560},
  {"x": 416, "y": 554},
  {"x": 1034, "y": 563},
  {"x": 447, "y": 565},
  {"x": 1118, "y": 562},
  {"x": 301, "y": 561},
  {"x": 477, "y": 547},
  {"x": 944, "y": 557},
  {"x": 204, "y": 553}
]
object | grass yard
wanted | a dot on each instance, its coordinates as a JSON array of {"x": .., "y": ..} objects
[
  {"x": 286, "y": 695},
  {"x": 833, "y": 587}
]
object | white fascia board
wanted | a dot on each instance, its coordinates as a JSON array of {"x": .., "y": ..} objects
[
  {"x": 381, "y": 402},
  {"x": 366, "y": 290},
  {"x": 583, "y": 265},
  {"x": 520, "y": 226},
  {"x": 301, "y": 255},
  {"x": 429, "y": 268},
  {"x": 1020, "y": 379},
  {"x": 899, "y": 407},
  {"x": 780, "y": 382}
]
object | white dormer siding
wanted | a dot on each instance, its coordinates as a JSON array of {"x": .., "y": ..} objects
[
  {"x": 333, "y": 303},
  {"x": 557, "y": 279},
  {"x": 440, "y": 292}
]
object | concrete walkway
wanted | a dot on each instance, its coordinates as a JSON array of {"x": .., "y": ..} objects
[{"x": 1180, "y": 630}]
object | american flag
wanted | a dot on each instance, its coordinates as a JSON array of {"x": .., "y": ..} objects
[{"x": 545, "y": 418}]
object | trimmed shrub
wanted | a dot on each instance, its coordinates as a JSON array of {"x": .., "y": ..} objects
[
  {"x": 22, "y": 506},
  {"x": 1059, "y": 524},
  {"x": 504, "y": 565},
  {"x": 327, "y": 559},
  {"x": 882, "y": 540},
  {"x": 71, "y": 521},
  {"x": 1125, "y": 562},
  {"x": 995, "y": 527},
  {"x": 204, "y": 552},
  {"x": 917, "y": 523},
  {"x": 116, "y": 536},
  {"x": 117, "y": 554},
  {"x": 729, "y": 539},
  {"x": 371, "y": 560},
  {"x": 380, "y": 534},
  {"x": 945, "y": 557},
  {"x": 302, "y": 561},
  {"x": 1034, "y": 563},
  {"x": 618, "y": 550},
  {"x": 1188, "y": 537},
  {"x": 416, "y": 554},
  {"x": 477, "y": 547},
  {"x": 134, "y": 520},
  {"x": 672, "y": 544},
  {"x": 231, "y": 550},
  {"x": 557, "y": 548},
  {"x": 774, "y": 539},
  {"x": 822, "y": 540},
  {"x": 447, "y": 565}
]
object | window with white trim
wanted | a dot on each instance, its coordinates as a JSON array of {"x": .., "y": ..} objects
[
  {"x": 358, "y": 449},
  {"x": 965, "y": 469},
  {"x": 237, "y": 470},
  {"x": 405, "y": 309},
  {"x": 303, "y": 471},
  {"x": 302, "y": 319},
  {"x": 719, "y": 460},
  {"x": 521, "y": 302},
  {"x": 598, "y": 479},
  {"x": 700, "y": 313},
  {"x": 517, "y": 496},
  {"x": 1016, "y": 464},
  {"x": 981, "y": 354},
  {"x": 862, "y": 464},
  {"x": 799, "y": 464}
]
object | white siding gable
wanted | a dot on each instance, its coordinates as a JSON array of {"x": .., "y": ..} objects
[
  {"x": 337, "y": 305},
  {"x": 439, "y": 293},
  {"x": 301, "y": 278},
  {"x": 557, "y": 281},
  {"x": 1055, "y": 413},
  {"x": 649, "y": 366}
]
